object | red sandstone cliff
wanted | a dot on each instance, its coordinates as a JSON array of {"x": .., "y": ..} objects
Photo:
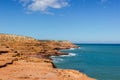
[{"x": 23, "y": 58}]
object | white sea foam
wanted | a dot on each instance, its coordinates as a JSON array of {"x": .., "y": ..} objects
[
  {"x": 56, "y": 60},
  {"x": 72, "y": 48},
  {"x": 70, "y": 54},
  {"x": 52, "y": 56}
]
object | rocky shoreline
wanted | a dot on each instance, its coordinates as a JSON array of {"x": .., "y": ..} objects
[{"x": 25, "y": 58}]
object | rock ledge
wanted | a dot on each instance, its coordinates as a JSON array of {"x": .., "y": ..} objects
[{"x": 25, "y": 58}]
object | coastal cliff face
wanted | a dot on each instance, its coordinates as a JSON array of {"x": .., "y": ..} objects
[{"x": 25, "y": 58}]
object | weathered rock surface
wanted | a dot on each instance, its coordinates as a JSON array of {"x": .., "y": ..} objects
[
  {"x": 23, "y": 58},
  {"x": 37, "y": 69}
]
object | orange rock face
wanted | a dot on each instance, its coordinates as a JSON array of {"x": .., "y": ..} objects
[
  {"x": 23, "y": 58},
  {"x": 38, "y": 70}
]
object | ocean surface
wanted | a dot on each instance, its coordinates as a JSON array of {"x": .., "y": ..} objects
[{"x": 100, "y": 61}]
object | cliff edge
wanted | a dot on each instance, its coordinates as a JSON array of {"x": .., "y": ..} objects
[{"x": 25, "y": 58}]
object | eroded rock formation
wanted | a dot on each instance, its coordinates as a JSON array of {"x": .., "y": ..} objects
[{"x": 25, "y": 58}]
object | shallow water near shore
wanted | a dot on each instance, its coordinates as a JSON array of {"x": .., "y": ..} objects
[{"x": 100, "y": 61}]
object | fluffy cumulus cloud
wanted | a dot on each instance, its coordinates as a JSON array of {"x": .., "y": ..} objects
[{"x": 43, "y": 5}]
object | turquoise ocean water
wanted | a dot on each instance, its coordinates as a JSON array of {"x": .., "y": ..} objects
[{"x": 100, "y": 61}]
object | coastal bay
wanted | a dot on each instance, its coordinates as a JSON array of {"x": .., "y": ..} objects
[{"x": 26, "y": 58}]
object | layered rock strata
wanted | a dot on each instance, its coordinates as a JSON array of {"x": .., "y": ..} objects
[{"x": 25, "y": 58}]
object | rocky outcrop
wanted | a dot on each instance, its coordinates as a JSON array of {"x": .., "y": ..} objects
[
  {"x": 38, "y": 69},
  {"x": 25, "y": 58},
  {"x": 4, "y": 49},
  {"x": 6, "y": 59}
]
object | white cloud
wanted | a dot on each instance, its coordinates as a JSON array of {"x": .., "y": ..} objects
[{"x": 43, "y": 5}]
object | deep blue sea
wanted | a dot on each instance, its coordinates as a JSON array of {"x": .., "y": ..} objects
[{"x": 100, "y": 61}]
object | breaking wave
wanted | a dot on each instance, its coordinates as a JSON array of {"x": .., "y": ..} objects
[
  {"x": 70, "y": 54},
  {"x": 56, "y": 59},
  {"x": 72, "y": 49}
]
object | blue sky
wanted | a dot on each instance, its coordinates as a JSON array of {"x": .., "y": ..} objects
[{"x": 75, "y": 20}]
